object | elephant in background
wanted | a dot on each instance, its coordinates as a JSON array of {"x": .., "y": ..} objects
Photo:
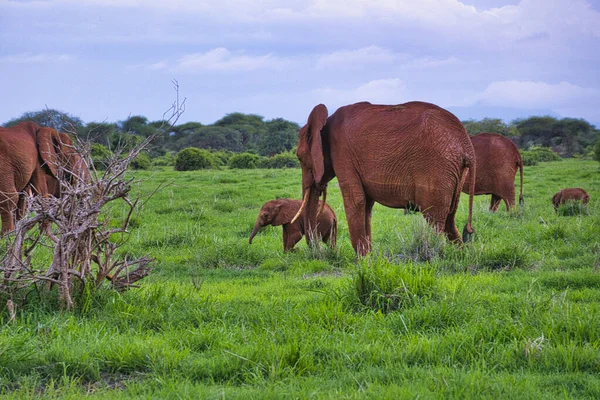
[
  {"x": 408, "y": 155},
  {"x": 281, "y": 211},
  {"x": 32, "y": 158},
  {"x": 576, "y": 194},
  {"x": 498, "y": 160}
]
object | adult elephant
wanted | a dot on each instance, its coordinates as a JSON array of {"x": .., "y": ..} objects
[
  {"x": 31, "y": 157},
  {"x": 408, "y": 155},
  {"x": 498, "y": 160}
]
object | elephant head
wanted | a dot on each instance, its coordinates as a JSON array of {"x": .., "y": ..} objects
[
  {"x": 317, "y": 170},
  {"x": 275, "y": 213},
  {"x": 62, "y": 160}
]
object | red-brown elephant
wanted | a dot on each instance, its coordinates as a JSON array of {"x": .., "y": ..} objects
[
  {"x": 570, "y": 194},
  {"x": 498, "y": 160},
  {"x": 31, "y": 158},
  {"x": 408, "y": 155},
  {"x": 281, "y": 211}
]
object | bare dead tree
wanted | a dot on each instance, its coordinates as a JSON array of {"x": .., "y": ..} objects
[{"x": 83, "y": 246}]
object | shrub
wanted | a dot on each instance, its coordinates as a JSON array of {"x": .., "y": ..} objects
[
  {"x": 597, "y": 150},
  {"x": 142, "y": 161},
  {"x": 192, "y": 158},
  {"x": 100, "y": 155},
  {"x": 166, "y": 160},
  {"x": 537, "y": 154},
  {"x": 222, "y": 157},
  {"x": 381, "y": 285},
  {"x": 282, "y": 160},
  {"x": 244, "y": 161}
]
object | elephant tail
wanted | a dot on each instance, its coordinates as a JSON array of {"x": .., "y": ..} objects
[
  {"x": 469, "y": 171},
  {"x": 520, "y": 165},
  {"x": 334, "y": 232}
]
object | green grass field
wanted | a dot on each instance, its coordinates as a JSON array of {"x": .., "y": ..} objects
[{"x": 514, "y": 314}]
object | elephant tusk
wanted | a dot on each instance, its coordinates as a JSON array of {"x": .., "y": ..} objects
[
  {"x": 323, "y": 202},
  {"x": 302, "y": 206}
]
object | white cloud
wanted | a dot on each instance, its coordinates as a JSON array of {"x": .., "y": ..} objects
[
  {"x": 383, "y": 91},
  {"x": 221, "y": 59},
  {"x": 30, "y": 58},
  {"x": 356, "y": 58},
  {"x": 534, "y": 95},
  {"x": 377, "y": 56}
]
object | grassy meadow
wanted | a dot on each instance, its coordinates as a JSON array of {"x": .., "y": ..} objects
[{"x": 513, "y": 314}]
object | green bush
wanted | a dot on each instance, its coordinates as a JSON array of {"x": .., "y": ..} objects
[
  {"x": 597, "y": 150},
  {"x": 164, "y": 161},
  {"x": 222, "y": 157},
  {"x": 192, "y": 158},
  {"x": 536, "y": 154},
  {"x": 244, "y": 161},
  {"x": 101, "y": 155},
  {"x": 142, "y": 161},
  {"x": 282, "y": 160}
]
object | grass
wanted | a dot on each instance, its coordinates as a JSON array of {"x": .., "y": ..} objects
[{"x": 514, "y": 314}]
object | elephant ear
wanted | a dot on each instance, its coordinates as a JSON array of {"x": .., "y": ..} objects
[
  {"x": 312, "y": 138},
  {"x": 48, "y": 145}
]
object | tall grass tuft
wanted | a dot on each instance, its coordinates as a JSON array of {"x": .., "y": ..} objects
[
  {"x": 381, "y": 285},
  {"x": 422, "y": 244},
  {"x": 571, "y": 208}
]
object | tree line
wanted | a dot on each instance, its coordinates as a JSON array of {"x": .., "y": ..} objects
[{"x": 251, "y": 133}]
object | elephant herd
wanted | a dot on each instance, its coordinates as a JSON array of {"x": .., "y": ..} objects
[{"x": 414, "y": 155}]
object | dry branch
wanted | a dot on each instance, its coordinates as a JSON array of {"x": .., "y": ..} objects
[{"x": 83, "y": 251}]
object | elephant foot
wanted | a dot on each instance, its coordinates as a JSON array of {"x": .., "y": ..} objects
[{"x": 467, "y": 234}]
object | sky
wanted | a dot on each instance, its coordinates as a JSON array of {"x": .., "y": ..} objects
[{"x": 106, "y": 60}]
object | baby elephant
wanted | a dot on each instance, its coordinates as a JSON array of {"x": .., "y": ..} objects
[
  {"x": 281, "y": 211},
  {"x": 570, "y": 194}
]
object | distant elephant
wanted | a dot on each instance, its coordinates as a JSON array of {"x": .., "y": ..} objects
[
  {"x": 576, "y": 194},
  {"x": 498, "y": 160},
  {"x": 281, "y": 211},
  {"x": 409, "y": 155},
  {"x": 30, "y": 156}
]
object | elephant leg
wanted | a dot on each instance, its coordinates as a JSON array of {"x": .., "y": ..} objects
[
  {"x": 495, "y": 202},
  {"x": 450, "y": 228},
  {"x": 8, "y": 206},
  {"x": 355, "y": 204},
  {"x": 291, "y": 236},
  {"x": 368, "y": 214}
]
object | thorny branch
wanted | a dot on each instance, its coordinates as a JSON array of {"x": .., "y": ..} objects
[{"x": 83, "y": 246}]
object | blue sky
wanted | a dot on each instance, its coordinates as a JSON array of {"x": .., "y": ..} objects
[{"x": 104, "y": 60}]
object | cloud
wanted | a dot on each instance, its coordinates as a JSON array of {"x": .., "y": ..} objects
[
  {"x": 377, "y": 56},
  {"x": 221, "y": 59},
  {"x": 356, "y": 58},
  {"x": 29, "y": 58},
  {"x": 384, "y": 91},
  {"x": 534, "y": 95}
]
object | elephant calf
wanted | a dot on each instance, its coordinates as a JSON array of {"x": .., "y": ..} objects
[
  {"x": 577, "y": 194},
  {"x": 281, "y": 211}
]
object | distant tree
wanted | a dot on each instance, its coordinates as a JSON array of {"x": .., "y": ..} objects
[
  {"x": 567, "y": 136},
  {"x": 250, "y": 126},
  {"x": 280, "y": 136},
  {"x": 138, "y": 125},
  {"x": 495, "y": 125},
  {"x": 98, "y": 132},
  {"x": 214, "y": 138},
  {"x": 59, "y": 120}
]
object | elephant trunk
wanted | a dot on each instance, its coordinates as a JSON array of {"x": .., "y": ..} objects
[
  {"x": 311, "y": 213},
  {"x": 257, "y": 227}
]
